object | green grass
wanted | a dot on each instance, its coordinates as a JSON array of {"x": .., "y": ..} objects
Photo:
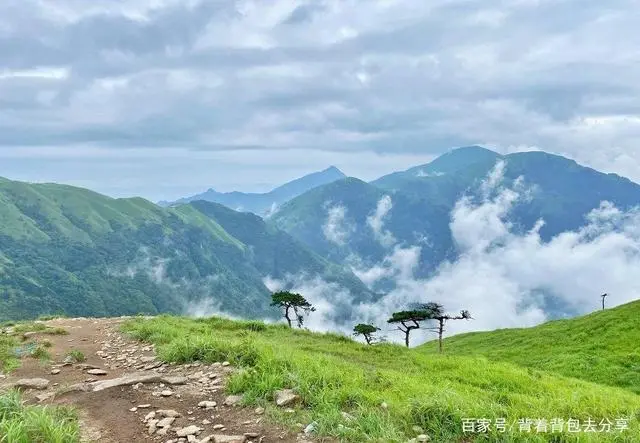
[
  {"x": 41, "y": 353},
  {"x": 334, "y": 375},
  {"x": 603, "y": 347},
  {"x": 8, "y": 360},
  {"x": 41, "y": 328},
  {"x": 76, "y": 355},
  {"x": 35, "y": 424}
]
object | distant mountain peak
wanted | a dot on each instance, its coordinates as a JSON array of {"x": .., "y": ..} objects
[
  {"x": 263, "y": 203},
  {"x": 473, "y": 149},
  {"x": 334, "y": 169}
]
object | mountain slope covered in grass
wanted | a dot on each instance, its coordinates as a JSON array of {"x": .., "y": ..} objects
[
  {"x": 70, "y": 250},
  {"x": 265, "y": 203},
  {"x": 602, "y": 347},
  {"x": 356, "y": 393}
]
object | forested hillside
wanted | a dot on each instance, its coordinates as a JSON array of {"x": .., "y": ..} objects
[{"x": 69, "y": 250}]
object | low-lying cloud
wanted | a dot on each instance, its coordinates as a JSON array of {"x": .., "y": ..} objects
[
  {"x": 376, "y": 222},
  {"x": 506, "y": 279},
  {"x": 337, "y": 228}
]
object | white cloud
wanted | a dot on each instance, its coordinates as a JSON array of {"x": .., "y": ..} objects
[
  {"x": 500, "y": 275},
  {"x": 376, "y": 222},
  {"x": 337, "y": 228},
  {"x": 53, "y": 73},
  {"x": 352, "y": 78}
]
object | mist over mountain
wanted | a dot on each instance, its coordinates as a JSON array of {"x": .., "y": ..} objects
[
  {"x": 350, "y": 217},
  {"x": 535, "y": 233},
  {"x": 264, "y": 204}
]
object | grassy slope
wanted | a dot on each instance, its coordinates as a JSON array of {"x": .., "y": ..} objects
[
  {"x": 603, "y": 347},
  {"x": 35, "y": 424},
  {"x": 334, "y": 374},
  {"x": 79, "y": 214}
]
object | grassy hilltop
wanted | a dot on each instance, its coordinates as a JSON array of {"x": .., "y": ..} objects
[
  {"x": 389, "y": 393},
  {"x": 602, "y": 347}
]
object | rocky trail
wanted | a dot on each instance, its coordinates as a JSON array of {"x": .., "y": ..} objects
[{"x": 124, "y": 394}]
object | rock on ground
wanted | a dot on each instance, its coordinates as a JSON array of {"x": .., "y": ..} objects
[
  {"x": 286, "y": 397},
  {"x": 32, "y": 383}
]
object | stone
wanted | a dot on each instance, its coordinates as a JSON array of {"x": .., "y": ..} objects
[
  {"x": 55, "y": 371},
  {"x": 166, "y": 393},
  {"x": 423, "y": 438},
  {"x": 310, "y": 428},
  {"x": 166, "y": 422},
  {"x": 207, "y": 404},
  {"x": 286, "y": 397},
  {"x": 150, "y": 416},
  {"x": 229, "y": 438},
  {"x": 233, "y": 400},
  {"x": 226, "y": 363},
  {"x": 44, "y": 397},
  {"x": 251, "y": 434},
  {"x": 97, "y": 372},
  {"x": 32, "y": 383},
  {"x": 144, "y": 406},
  {"x": 133, "y": 379},
  {"x": 133, "y": 409},
  {"x": 218, "y": 427},
  {"x": 189, "y": 430},
  {"x": 167, "y": 413},
  {"x": 259, "y": 411}
]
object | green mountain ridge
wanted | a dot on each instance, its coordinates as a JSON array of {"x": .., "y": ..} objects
[
  {"x": 305, "y": 217},
  {"x": 67, "y": 249}
]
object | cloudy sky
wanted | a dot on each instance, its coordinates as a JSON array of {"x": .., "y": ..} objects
[{"x": 163, "y": 98}]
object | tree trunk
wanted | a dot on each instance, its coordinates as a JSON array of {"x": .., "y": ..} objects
[
  {"x": 440, "y": 331},
  {"x": 406, "y": 337},
  {"x": 286, "y": 315}
]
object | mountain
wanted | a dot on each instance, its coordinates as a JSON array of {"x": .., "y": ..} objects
[
  {"x": 559, "y": 190},
  {"x": 266, "y": 203},
  {"x": 67, "y": 249},
  {"x": 413, "y": 208},
  {"x": 601, "y": 347},
  {"x": 347, "y": 207}
]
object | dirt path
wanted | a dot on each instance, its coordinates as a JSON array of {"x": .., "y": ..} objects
[{"x": 117, "y": 414}]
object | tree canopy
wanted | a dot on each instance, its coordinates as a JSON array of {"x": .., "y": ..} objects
[
  {"x": 292, "y": 301},
  {"x": 367, "y": 331}
]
